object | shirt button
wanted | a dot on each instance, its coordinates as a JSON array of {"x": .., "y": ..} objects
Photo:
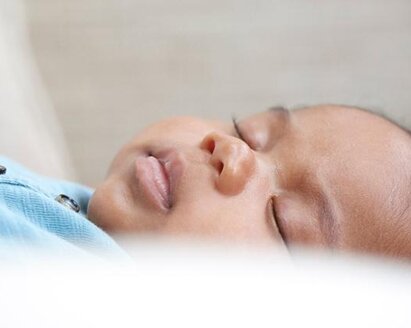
[
  {"x": 2, "y": 170},
  {"x": 68, "y": 202}
]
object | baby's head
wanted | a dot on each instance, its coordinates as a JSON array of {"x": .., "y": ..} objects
[{"x": 327, "y": 176}]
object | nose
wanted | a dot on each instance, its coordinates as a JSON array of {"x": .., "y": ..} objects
[{"x": 233, "y": 160}]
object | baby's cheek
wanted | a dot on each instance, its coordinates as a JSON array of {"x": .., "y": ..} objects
[
  {"x": 263, "y": 181},
  {"x": 183, "y": 130}
]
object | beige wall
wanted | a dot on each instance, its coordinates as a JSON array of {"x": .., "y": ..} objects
[
  {"x": 29, "y": 129},
  {"x": 113, "y": 66}
]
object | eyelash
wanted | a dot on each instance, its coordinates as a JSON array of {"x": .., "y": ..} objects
[
  {"x": 275, "y": 218},
  {"x": 276, "y": 221},
  {"x": 237, "y": 129}
]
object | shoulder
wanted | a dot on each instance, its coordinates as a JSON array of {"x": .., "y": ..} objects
[
  {"x": 42, "y": 210},
  {"x": 22, "y": 180}
]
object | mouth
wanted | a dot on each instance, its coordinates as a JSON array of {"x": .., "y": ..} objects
[{"x": 158, "y": 175}]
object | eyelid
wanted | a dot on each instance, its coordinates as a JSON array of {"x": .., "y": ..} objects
[
  {"x": 276, "y": 222},
  {"x": 237, "y": 128},
  {"x": 238, "y": 131},
  {"x": 252, "y": 136}
]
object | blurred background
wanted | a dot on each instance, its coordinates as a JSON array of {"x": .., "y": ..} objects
[{"x": 104, "y": 69}]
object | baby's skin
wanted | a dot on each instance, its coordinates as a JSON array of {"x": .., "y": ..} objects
[{"x": 327, "y": 176}]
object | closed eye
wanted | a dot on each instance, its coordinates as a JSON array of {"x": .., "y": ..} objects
[
  {"x": 237, "y": 129},
  {"x": 276, "y": 222}
]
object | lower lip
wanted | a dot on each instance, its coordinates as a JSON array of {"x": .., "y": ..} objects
[{"x": 154, "y": 179}]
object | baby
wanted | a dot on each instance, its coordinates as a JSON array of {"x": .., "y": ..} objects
[{"x": 327, "y": 176}]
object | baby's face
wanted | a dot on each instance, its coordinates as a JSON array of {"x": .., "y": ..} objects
[{"x": 322, "y": 176}]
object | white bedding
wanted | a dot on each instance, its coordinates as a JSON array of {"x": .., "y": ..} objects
[{"x": 187, "y": 286}]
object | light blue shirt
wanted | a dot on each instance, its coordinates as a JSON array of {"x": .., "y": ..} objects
[{"x": 30, "y": 216}]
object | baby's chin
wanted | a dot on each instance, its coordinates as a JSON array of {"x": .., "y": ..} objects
[{"x": 104, "y": 210}]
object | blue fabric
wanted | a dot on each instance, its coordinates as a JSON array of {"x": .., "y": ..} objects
[{"x": 30, "y": 217}]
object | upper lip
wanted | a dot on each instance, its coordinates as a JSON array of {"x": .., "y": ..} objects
[{"x": 153, "y": 180}]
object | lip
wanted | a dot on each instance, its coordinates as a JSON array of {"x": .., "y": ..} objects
[
  {"x": 174, "y": 166},
  {"x": 158, "y": 175}
]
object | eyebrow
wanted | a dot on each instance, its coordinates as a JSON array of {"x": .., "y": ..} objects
[{"x": 282, "y": 112}]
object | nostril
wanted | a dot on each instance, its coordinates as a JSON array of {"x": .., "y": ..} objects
[
  {"x": 219, "y": 167},
  {"x": 217, "y": 164},
  {"x": 208, "y": 145}
]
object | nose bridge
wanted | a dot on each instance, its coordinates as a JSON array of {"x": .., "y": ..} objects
[{"x": 233, "y": 159}]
